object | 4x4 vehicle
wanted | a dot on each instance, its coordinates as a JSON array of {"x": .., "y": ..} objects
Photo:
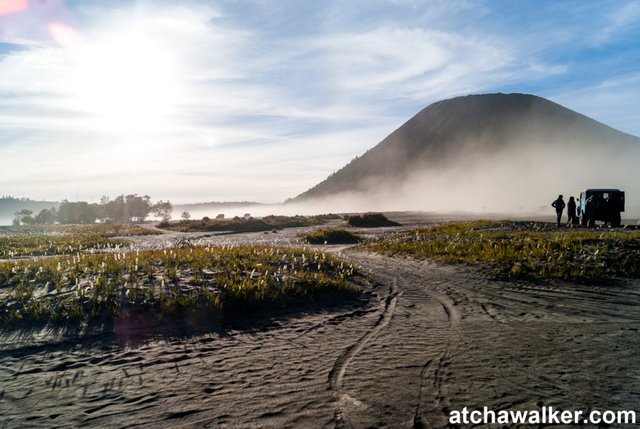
[{"x": 609, "y": 203}]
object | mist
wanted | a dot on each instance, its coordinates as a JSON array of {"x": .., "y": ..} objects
[
  {"x": 492, "y": 153},
  {"x": 522, "y": 179}
]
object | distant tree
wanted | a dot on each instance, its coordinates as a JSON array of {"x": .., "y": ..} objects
[
  {"x": 163, "y": 210},
  {"x": 116, "y": 210},
  {"x": 138, "y": 208},
  {"x": 126, "y": 209},
  {"x": 185, "y": 215},
  {"x": 99, "y": 211},
  {"x": 77, "y": 212},
  {"x": 23, "y": 217},
  {"x": 46, "y": 217}
]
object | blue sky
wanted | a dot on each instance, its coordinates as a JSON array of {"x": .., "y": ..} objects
[{"x": 259, "y": 100}]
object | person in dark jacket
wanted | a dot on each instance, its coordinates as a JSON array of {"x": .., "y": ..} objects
[
  {"x": 571, "y": 212},
  {"x": 559, "y": 206}
]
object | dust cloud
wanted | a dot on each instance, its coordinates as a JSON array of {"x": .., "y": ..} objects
[
  {"x": 521, "y": 179},
  {"x": 518, "y": 180},
  {"x": 490, "y": 153}
]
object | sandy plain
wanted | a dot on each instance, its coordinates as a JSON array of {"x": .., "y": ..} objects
[{"x": 427, "y": 340}]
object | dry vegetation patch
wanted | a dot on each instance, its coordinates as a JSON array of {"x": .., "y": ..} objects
[
  {"x": 523, "y": 249},
  {"x": 47, "y": 240},
  {"x": 169, "y": 283},
  {"x": 250, "y": 224}
]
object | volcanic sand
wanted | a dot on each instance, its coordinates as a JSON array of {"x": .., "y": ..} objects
[{"x": 431, "y": 339}]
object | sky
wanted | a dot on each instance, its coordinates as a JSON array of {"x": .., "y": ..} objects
[{"x": 259, "y": 100}]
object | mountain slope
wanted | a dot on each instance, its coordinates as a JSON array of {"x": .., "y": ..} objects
[{"x": 456, "y": 133}]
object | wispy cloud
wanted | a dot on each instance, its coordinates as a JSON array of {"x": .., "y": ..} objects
[
  {"x": 400, "y": 62},
  {"x": 613, "y": 101},
  {"x": 619, "y": 19}
]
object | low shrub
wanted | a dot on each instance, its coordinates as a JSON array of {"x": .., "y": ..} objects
[
  {"x": 370, "y": 220},
  {"x": 331, "y": 236}
]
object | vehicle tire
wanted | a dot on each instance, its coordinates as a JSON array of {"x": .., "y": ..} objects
[{"x": 616, "y": 220}]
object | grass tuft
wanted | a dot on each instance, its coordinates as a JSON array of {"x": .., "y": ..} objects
[
  {"x": 170, "y": 283},
  {"x": 523, "y": 250}
]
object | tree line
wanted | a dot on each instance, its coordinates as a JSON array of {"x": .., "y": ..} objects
[{"x": 122, "y": 209}]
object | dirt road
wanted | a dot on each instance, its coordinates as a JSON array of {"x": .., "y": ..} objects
[{"x": 432, "y": 339}]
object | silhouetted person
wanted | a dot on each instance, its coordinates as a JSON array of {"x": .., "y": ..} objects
[
  {"x": 559, "y": 206},
  {"x": 571, "y": 212},
  {"x": 591, "y": 206}
]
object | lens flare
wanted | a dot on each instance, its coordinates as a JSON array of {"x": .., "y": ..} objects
[
  {"x": 12, "y": 6},
  {"x": 64, "y": 35}
]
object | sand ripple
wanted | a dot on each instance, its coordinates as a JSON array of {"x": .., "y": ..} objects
[{"x": 431, "y": 340}]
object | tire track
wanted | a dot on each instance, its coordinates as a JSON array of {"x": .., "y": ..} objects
[
  {"x": 340, "y": 366},
  {"x": 453, "y": 315},
  {"x": 432, "y": 396},
  {"x": 418, "y": 422},
  {"x": 493, "y": 313},
  {"x": 436, "y": 369}
]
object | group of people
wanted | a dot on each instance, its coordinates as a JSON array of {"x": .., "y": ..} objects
[
  {"x": 573, "y": 210},
  {"x": 572, "y": 213}
]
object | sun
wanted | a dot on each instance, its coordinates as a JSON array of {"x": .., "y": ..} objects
[{"x": 125, "y": 84}]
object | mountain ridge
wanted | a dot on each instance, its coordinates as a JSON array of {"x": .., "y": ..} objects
[{"x": 448, "y": 129}]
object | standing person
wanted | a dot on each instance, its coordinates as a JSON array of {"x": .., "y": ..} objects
[
  {"x": 559, "y": 206},
  {"x": 571, "y": 212}
]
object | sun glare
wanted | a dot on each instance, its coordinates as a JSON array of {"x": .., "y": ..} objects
[{"x": 126, "y": 84}]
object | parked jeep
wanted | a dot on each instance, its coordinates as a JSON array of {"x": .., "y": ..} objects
[{"x": 608, "y": 205}]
